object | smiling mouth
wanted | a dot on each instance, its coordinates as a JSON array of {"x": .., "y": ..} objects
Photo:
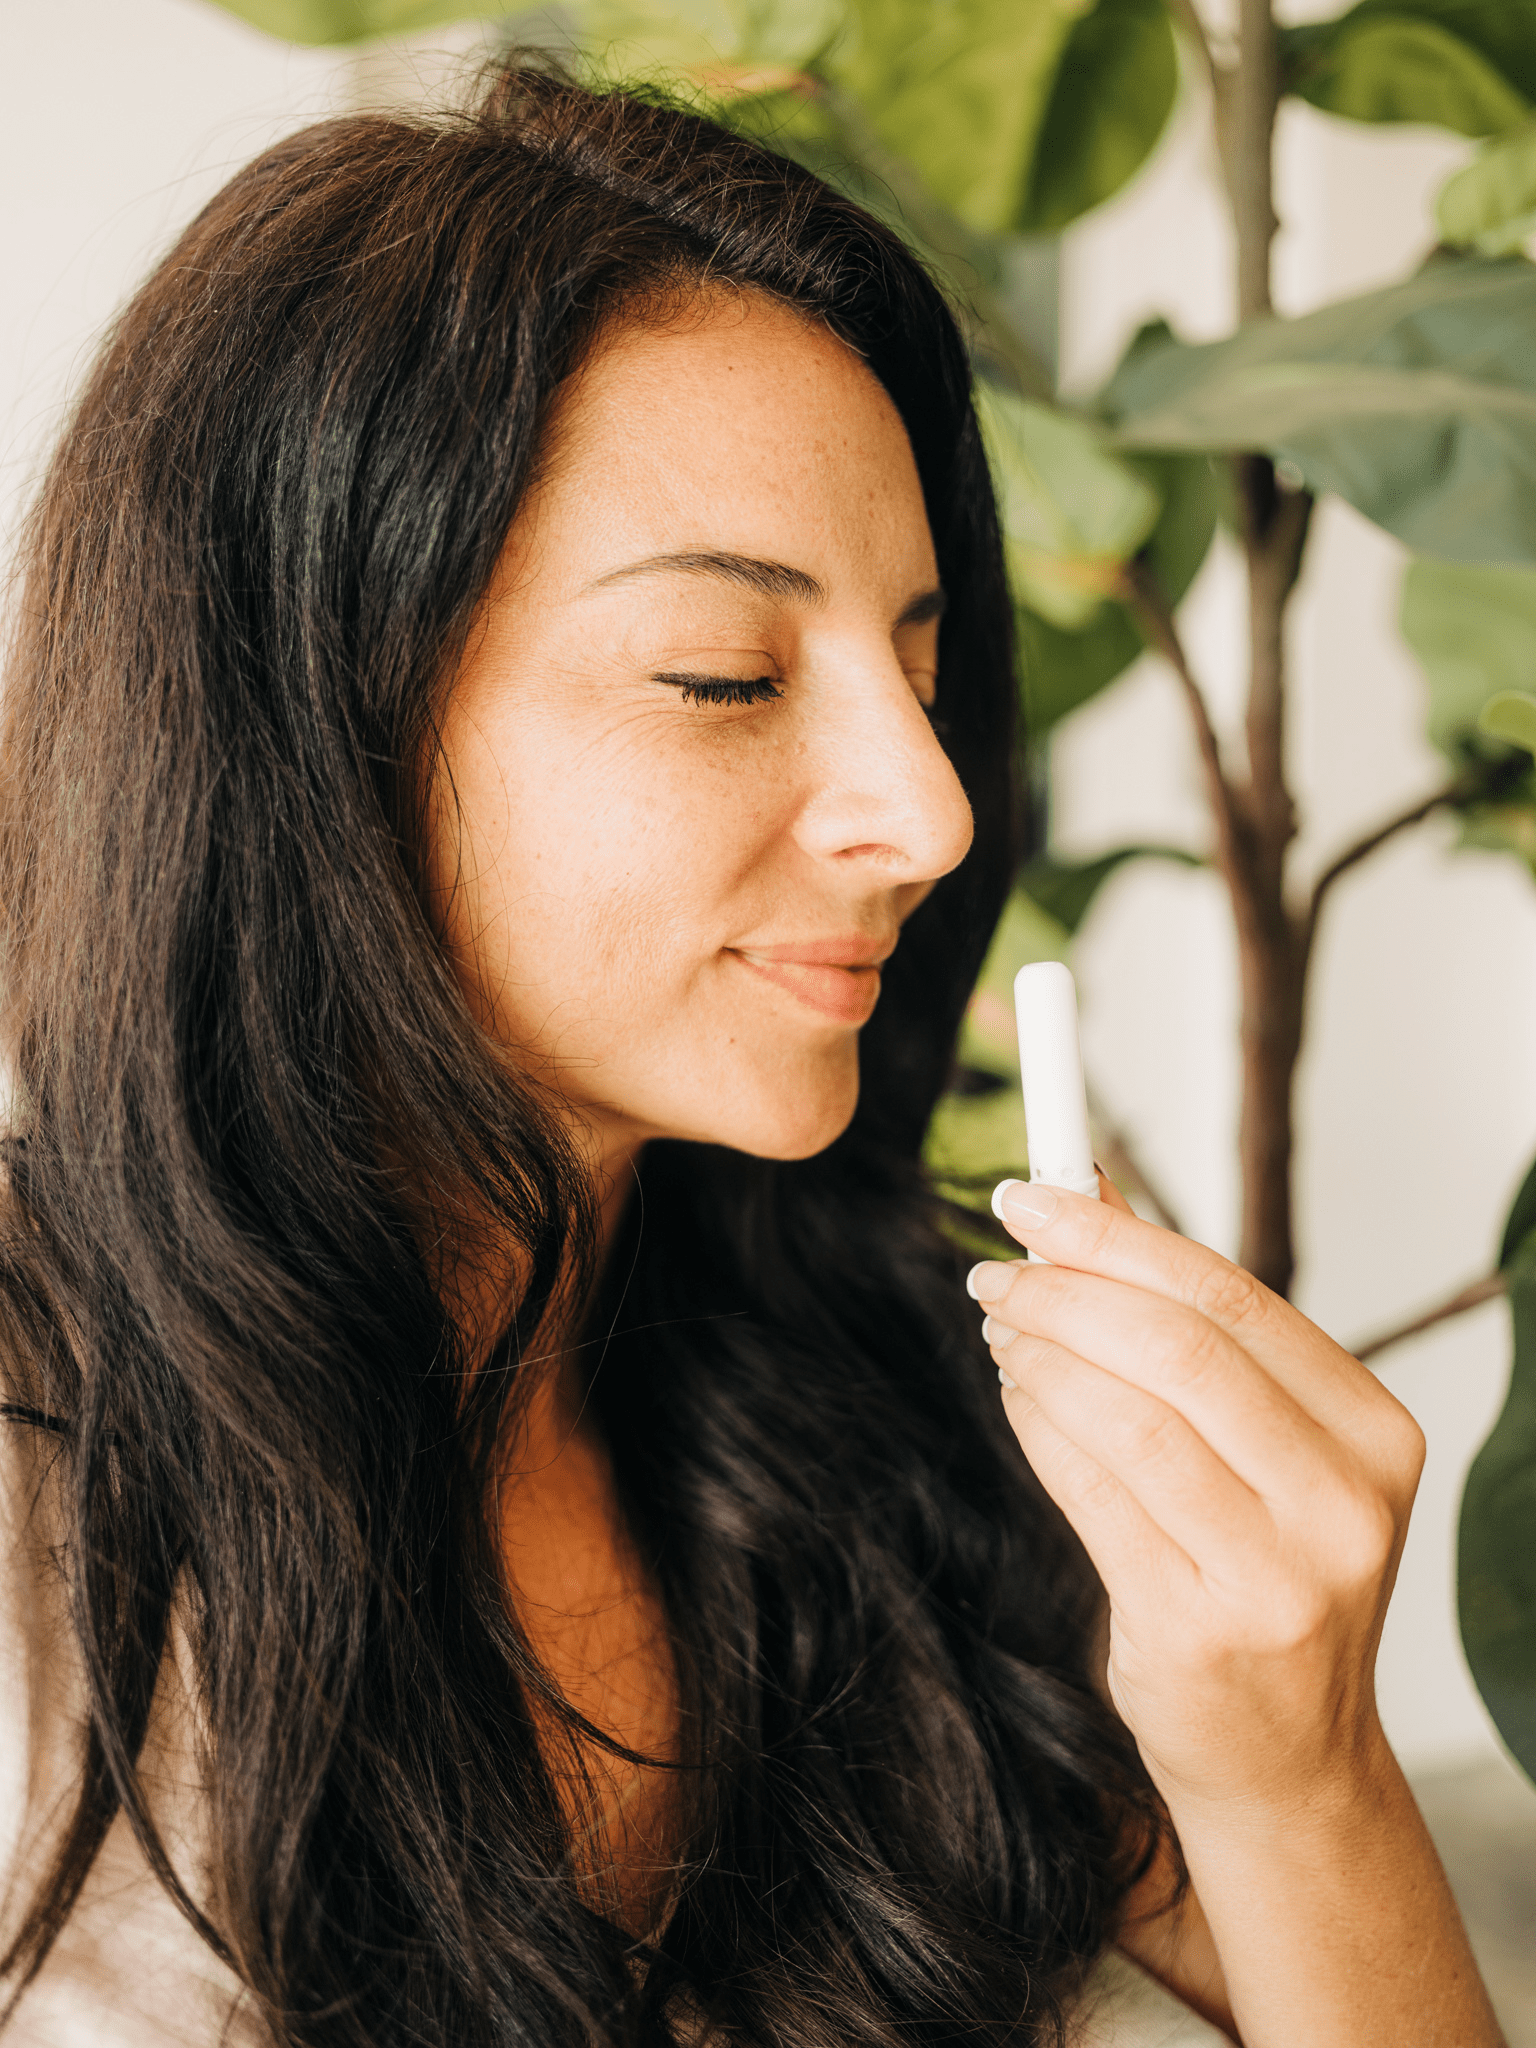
[{"x": 847, "y": 993}]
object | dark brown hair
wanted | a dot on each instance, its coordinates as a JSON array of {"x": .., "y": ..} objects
[{"x": 263, "y": 537}]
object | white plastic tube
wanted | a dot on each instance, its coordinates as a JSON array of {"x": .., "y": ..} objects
[{"x": 1051, "y": 1066}]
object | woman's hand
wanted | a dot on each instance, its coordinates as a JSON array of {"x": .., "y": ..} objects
[
  {"x": 1241, "y": 1483},
  {"x": 1243, "y": 1487}
]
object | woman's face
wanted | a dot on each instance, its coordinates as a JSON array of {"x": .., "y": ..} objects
[{"x": 694, "y": 786}]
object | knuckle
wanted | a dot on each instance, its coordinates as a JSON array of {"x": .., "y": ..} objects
[
  {"x": 1153, "y": 1435},
  {"x": 1186, "y": 1353},
  {"x": 1227, "y": 1295},
  {"x": 1096, "y": 1490},
  {"x": 1364, "y": 1538},
  {"x": 1296, "y": 1615},
  {"x": 1406, "y": 1449}
]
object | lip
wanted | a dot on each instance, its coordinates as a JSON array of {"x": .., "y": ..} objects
[{"x": 838, "y": 978}]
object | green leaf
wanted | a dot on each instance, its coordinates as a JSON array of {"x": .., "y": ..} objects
[
  {"x": 1510, "y": 716},
  {"x": 707, "y": 40},
  {"x": 1473, "y": 628},
  {"x": 1521, "y": 1222},
  {"x": 1061, "y": 670},
  {"x": 1491, "y": 205},
  {"x": 1066, "y": 889},
  {"x": 1505, "y": 826},
  {"x": 1416, "y": 403},
  {"x": 1018, "y": 114},
  {"x": 1397, "y": 70},
  {"x": 959, "y": 90},
  {"x": 355, "y": 21},
  {"x": 1496, "y": 1552},
  {"x": 1073, "y": 513},
  {"x": 1327, "y": 62},
  {"x": 1115, "y": 88}
]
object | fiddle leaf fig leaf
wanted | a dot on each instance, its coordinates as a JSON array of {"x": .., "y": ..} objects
[
  {"x": 1114, "y": 90},
  {"x": 961, "y": 91},
  {"x": 1416, "y": 403},
  {"x": 353, "y": 21},
  {"x": 1061, "y": 670},
  {"x": 1018, "y": 114},
  {"x": 1521, "y": 1222},
  {"x": 1066, "y": 889},
  {"x": 1491, "y": 205},
  {"x": 727, "y": 45},
  {"x": 1073, "y": 513},
  {"x": 1467, "y": 65},
  {"x": 1398, "y": 70},
  {"x": 1472, "y": 626},
  {"x": 1496, "y": 1559},
  {"x": 1510, "y": 715}
]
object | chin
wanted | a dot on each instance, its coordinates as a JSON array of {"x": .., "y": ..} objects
[{"x": 793, "y": 1120}]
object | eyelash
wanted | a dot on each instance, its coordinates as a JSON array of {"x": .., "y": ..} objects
[{"x": 722, "y": 689}]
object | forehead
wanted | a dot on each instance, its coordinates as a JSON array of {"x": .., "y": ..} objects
[{"x": 738, "y": 422}]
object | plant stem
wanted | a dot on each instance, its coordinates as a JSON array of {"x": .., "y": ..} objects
[
  {"x": 1272, "y": 964},
  {"x": 1256, "y": 822},
  {"x": 1144, "y": 600},
  {"x": 1467, "y": 1298},
  {"x": 1253, "y": 826},
  {"x": 1252, "y": 95}
]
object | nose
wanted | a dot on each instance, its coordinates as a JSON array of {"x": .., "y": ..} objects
[{"x": 884, "y": 794}]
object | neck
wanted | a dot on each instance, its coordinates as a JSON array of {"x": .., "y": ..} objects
[{"x": 554, "y": 1411}]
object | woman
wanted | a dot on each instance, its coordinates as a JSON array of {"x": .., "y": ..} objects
[{"x": 513, "y": 1533}]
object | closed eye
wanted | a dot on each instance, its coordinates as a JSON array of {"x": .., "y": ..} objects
[{"x": 721, "y": 689}]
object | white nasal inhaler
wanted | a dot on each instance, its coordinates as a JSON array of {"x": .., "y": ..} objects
[{"x": 1051, "y": 1069}]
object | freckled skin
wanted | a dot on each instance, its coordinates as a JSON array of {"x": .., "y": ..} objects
[{"x": 617, "y": 842}]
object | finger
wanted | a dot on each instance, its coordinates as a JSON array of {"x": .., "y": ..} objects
[
  {"x": 1149, "y": 1448},
  {"x": 1136, "y": 1559},
  {"x": 1095, "y": 1237},
  {"x": 1175, "y": 1355}
]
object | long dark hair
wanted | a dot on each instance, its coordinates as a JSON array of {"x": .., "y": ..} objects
[{"x": 251, "y": 1093}]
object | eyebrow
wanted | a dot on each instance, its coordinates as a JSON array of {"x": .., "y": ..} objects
[{"x": 768, "y": 579}]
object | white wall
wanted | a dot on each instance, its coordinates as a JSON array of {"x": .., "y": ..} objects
[
  {"x": 1418, "y": 1095},
  {"x": 116, "y": 123},
  {"x": 1417, "y": 1091}
]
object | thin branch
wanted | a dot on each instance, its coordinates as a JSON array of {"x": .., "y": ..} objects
[
  {"x": 1122, "y": 1165},
  {"x": 1147, "y": 605},
  {"x": 1469, "y": 1297},
  {"x": 1456, "y": 791}
]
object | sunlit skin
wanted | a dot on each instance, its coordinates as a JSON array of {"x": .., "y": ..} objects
[{"x": 673, "y": 911}]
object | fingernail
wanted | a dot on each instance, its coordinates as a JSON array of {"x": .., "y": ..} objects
[
  {"x": 990, "y": 1278},
  {"x": 1027, "y": 1203},
  {"x": 998, "y": 1335},
  {"x": 1006, "y": 1381}
]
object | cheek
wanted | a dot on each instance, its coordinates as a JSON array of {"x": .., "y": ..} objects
[{"x": 594, "y": 875}]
